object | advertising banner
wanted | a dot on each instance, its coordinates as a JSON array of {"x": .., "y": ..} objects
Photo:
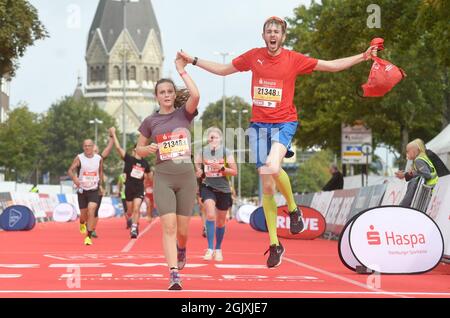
[
  {"x": 339, "y": 210},
  {"x": 396, "y": 240},
  {"x": 313, "y": 221}
]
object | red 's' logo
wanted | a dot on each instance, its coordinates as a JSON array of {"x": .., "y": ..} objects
[{"x": 373, "y": 237}]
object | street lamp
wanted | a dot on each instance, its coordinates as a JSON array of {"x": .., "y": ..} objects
[
  {"x": 124, "y": 71},
  {"x": 95, "y": 122},
  {"x": 224, "y": 55},
  {"x": 234, "y": 111}
]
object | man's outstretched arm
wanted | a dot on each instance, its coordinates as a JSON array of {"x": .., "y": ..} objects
[
  {"x": 212, "y": 67},
  {"x": 346, "y": 62}
]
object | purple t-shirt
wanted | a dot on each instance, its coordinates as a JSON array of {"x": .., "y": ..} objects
[{"x": 170, "y": 132}]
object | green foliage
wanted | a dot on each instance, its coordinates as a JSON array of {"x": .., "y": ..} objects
[
  {"x": 21, "y": 144},
  {"x": 334, "y": 29},
  {"x": 19, "y": 28},
  {"x": 66, "y": 125},
  {"x": 313, "y": 174}
]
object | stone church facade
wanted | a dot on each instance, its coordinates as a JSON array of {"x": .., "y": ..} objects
[{"x": 107, "y": 45}]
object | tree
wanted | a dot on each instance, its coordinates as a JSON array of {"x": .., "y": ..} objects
[
  {"x": 412, "y": 109},
  {"x": 20, "y": 28},
  {"x": 21, "y": 141},
  {"x": 313, "y": 174},
  {"x": 67, "y": 125}
]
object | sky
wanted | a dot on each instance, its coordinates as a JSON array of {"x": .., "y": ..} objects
[{"x": 50, "y": 68}]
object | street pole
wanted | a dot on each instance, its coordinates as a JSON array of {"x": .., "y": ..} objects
[
  {"x": 224, "y": 55},
  {"x": 124, "y": 76},
  {"x": 239, "y": 164}
]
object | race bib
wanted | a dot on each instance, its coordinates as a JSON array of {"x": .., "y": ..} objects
[
  {"x": 210, "y": 172},
  {"x": 173, "y": 145},
  {"x": 149, "y": 190},
  {"x": 137, "y": 172},
  {"x": 89, "y": 179},
  {"x": 267, "y": 92}
]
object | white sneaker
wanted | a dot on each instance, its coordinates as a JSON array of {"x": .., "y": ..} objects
[
  {"x": 208, "y": 255},
  {"x": 218, "y": 255}
]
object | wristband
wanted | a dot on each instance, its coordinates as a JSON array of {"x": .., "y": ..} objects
[{"x": 194, "y": 62}]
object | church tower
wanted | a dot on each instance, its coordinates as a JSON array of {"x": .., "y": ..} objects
[{"x": 109, "y": 44}]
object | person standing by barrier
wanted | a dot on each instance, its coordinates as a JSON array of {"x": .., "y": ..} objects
[
  {"x": 215, "y": 189},
  {"x": 87, "y": 181},
  {"x": 136, "y": 169},
  {"x": 337, "y": 179},
  {"x": 175, "y": 182},
  {"x": 421, "y": 167},
  {"x": 274, "y": 115}
]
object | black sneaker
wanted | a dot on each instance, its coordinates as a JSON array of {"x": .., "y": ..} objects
[
  {"x": 175, "y": 281},
  {"x": 275, "y": 256},
  {"x": 134, "y": 232},
  {"x": 181, "y": 256},
  {"x": 297, "y": 225},
  {"x": 129, "y": 223}
]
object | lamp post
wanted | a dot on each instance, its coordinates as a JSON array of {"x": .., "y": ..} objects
[
  {"x": 95, "y": 122},
  {"x": 234, "y": 111},
  {"x": 224, "y": 55},
  {"x": 124, "y": 71}
]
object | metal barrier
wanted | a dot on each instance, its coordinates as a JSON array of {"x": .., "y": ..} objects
[{"x": 422, "y": 196}]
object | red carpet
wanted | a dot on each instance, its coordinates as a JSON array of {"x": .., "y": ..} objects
[{"x": 42, "y": 263}]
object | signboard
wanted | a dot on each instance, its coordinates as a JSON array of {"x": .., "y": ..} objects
[
  {"x": 392, "y": 240},
  {"x": 356, "y": 144},
  {"x": 313, "y": 221}
]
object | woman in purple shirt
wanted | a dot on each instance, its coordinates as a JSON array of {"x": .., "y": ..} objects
[{"x": 166, "y": 133}]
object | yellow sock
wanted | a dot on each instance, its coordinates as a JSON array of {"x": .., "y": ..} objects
[
  {"x": 284, "y": 185},
  {"x": 270, "y": 212}
]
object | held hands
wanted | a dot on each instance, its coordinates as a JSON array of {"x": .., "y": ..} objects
[
  {"x": 185, "y": 57},
  {"x": 180, "y": 62},
  {"x": 112, "y": 131},
  {"x": 371, "y": 51}
]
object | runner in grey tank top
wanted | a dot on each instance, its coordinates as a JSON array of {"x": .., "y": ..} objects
[
  {"x": 166, "y": 134},
  {"x": 215, "y": 190}
]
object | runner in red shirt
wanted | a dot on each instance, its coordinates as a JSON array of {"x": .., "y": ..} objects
[{"x": 274, "y": 115}]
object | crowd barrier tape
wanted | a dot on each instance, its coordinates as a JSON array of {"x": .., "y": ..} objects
[{"x": 391, "y": 240}]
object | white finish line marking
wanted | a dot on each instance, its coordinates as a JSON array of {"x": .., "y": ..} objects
[
  {"x": 302, "y": 292},
  {"x": 347, "y": 280}
]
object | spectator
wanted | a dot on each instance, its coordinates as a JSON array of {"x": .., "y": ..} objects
[
  {"x": 34, "y": 189},
  {"x": 337, "y": 180},
  {"x": 421, "y": 167}
]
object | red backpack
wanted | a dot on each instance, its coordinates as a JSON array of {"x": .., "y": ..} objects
[{"x": 383, "y": 75}]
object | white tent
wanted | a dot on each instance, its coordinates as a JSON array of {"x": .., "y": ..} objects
[{"x": 440, "y": 144}]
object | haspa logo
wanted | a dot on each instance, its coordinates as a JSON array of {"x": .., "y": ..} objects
[
  {"x": 373, "y": 237},
  {"x": 411, "y": 239}
]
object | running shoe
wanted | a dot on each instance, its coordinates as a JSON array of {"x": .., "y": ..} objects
[
  {"x": 218, "y": 255},
  {"x": 134, "y": 232},
  {"x": 275, "y": 256},
  {"x": 297, "y": 225},
  {"x": 208, "y": 255},
  {"x": 87, "y": 241},
  {"x": 94, "y": 234},
  {"x": 83, "y": 228},
  {"x": 175, "y": 281}
]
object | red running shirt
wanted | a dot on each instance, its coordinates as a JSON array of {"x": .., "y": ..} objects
[{"x": 273, "y": 82}]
